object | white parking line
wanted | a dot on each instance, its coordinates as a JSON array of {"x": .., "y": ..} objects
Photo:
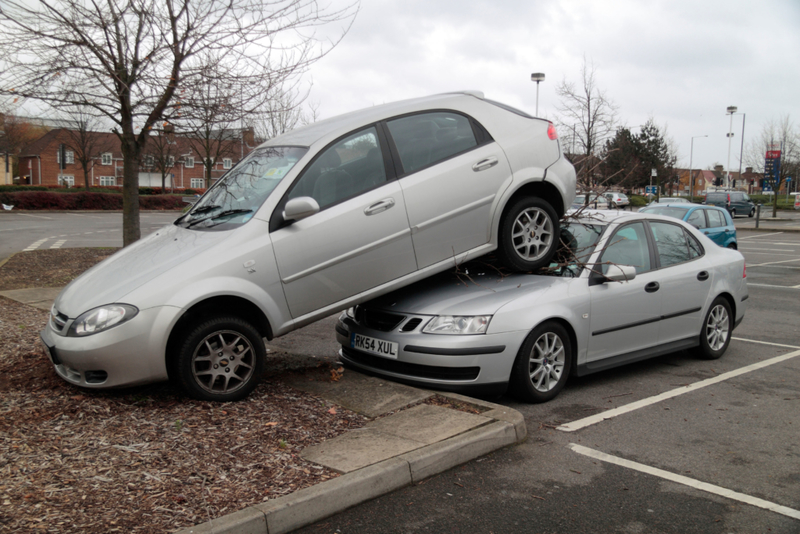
[
  {"x": 58, "y": 244},
  {"x": 760, "y": 236},
  {"x": 765, "y": 343},
  {"x": 686, "y": 481},
  {"x": 771, "y": 285},
  {"x": 34, "y": 246},
  {"x": 773, "y": 263},
  {"x": 609, "y": 414},
  {"x": 748, "y": 249}
]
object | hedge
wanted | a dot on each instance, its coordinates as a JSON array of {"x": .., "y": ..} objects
[
  {"x": 47, "y": 200},
  {"x": 105, "y": 189}
]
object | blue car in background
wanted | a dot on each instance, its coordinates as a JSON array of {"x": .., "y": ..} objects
[{"x": 714, "y": 222}]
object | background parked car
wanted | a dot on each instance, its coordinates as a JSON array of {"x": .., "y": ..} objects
[
  {"x": 311, "y": 222},
  {"x": 736, "y": 202},
  {"x": 618, "y": 200},
  {"x": 657, "y": 285},
  {"x": 670, "y": 200},
  {"x": 714, "y": 222}
]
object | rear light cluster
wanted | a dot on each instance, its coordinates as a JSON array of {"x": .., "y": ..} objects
[{"x": 551, "y": 132}]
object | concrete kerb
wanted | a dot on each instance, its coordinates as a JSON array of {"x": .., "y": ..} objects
[{"x": 306, "y": 506}]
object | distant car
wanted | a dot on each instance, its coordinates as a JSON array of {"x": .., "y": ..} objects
[
  {"x": 596, "y": 202},
  {"x": 637, "y": 286},
  {"x": 714, "y": 222},
  {"x": 311, "y": 222},
  {"x": 670, "y": 200},
  {"x": 618, "y": 200},
  {"x": 736, "y": 202}
]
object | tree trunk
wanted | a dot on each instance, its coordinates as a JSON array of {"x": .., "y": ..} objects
[
  {"x": 131, "y": 230},
  {"x": 86, "y": 179}
]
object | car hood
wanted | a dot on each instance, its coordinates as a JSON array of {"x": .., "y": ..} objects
[
  {"x": 112, "y": 279},
  {"x": 471, "y": 293}
]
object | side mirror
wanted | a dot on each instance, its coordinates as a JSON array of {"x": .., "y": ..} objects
[
  {"x": 620, "y": 273},
  {"x": 299, "y": 208}
]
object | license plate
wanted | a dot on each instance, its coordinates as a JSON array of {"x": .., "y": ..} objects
[{"x": 387, "y": 349}]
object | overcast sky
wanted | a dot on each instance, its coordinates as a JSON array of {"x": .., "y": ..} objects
[{"x": 681, "y": 62}]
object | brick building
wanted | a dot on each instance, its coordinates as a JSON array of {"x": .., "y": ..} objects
[{"x": 172, "y": 157}]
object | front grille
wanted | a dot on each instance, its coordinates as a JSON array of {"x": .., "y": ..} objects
[
  {"x": 411, "y": 325},
  {"x": 57, "y": 320},
  {"x": 412, "y": 369},
  {"x": 377, "y": 320}
]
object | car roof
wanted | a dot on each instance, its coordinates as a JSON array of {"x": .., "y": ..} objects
[{"x": 307, "y": 135}]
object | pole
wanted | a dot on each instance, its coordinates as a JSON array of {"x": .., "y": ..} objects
[
  {"x": 741, "y": 149},
  {"x": 728, "y": 166}
]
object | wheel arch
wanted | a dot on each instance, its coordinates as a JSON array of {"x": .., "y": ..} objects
[
  {"x": 218, "y": 305},
  {"x": 542, "y": 189},
  {"x": 573, "y": 338},
  {"x": 731, "y": 302}
]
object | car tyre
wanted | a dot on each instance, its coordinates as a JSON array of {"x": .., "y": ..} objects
[
  {"x": 715, "y": 335},
  {"x": 542, "y": 365},
  {"x": 752, "y": 212},
  {"x": 528, "y": 235},
  {"x": 220, "y": 360},
  {"x": 733, "y": 213}
]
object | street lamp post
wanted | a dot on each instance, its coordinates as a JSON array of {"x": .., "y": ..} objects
[
  {"x": 537, "y": 77},
  {"x": 691, "y": 154},
  {"x": 731, "y": 110}
]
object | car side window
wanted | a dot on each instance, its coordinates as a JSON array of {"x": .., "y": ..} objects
[
  {"x": 628, "y": 246},
  {"x": 695, "y": 248},
  {"x": 697, "y": 219},
  {"x": 428, "y": 138},
  {"x": 671, "y": 243},
  {"x": 716, "y": 219},
  {"x": 347, "y": 168}
]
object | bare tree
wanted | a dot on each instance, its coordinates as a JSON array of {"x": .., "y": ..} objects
[
  {"x": 15, "y": 135},
  {"x": 283, "y": 112},
  {"x": 587, "y": 119},
  {"x": 162, "y": 151},
  {"x": 129, "y": 60},
  {"x": 86, "y": 143},
  {"x": 776, "y": 135}
]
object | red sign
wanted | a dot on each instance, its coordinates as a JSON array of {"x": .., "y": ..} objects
[{"x": 773, "y": 154}]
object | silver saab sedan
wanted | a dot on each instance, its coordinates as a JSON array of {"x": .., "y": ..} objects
[
  {"x": 624, "y": 287},
  {"x": 310, "y": 223}
]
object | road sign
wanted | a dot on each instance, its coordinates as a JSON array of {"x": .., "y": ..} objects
[{"x": 651, "y": 189}]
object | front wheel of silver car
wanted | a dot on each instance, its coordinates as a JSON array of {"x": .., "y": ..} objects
[
  {"x": 542, "y": 365},
  {"x": 717, "y": 328},
  {"x": 528, "y": 235},
  {"x": 220, "y": 360}
]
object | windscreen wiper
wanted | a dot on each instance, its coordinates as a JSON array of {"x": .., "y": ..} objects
[{"x": 219, "y": 215}]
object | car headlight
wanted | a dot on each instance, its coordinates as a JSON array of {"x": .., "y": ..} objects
[
  {"x": 458, "y": 325},
  {"x": 102, "y": 318}
]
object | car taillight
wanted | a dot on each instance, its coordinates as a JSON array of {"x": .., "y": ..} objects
[
  {"x": 729, "y": 199},
  {"x": 551, "y": 132},
  {"x": 744, "y": 273}
]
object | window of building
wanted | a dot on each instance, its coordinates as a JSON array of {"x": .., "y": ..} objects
[
  {"x": 149, "y": 161},
  {"x": 106, "y": 159},
  {"x": 189, "y": 163},
  {"x": 68, "y": 181},
  {"x": 170, "y": 161},
  {"x": 198, "y": 183},
  {"x": 227, "y": 163},
  {"x": 69, "y": 156},
  {"x": 108, "y": 180}
]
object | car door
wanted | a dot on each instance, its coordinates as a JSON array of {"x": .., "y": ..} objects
[
  {"x": 358, "y": 240},
  {"x": 685, "y": 279},
  {"x": 624, "y": 315},
  {"x": 717, "y": 229},
  {"x": 451, "y": 174}
]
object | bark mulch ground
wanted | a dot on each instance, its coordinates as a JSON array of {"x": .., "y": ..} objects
[{"x": 145, "y": 459}]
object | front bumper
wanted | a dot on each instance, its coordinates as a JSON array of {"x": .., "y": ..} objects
[
  {"x": 477, "y": 364},
  {"x": 129, "y": 354}
]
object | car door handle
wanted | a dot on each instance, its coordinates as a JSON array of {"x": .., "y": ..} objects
[
  {"x": 484, "y": 164},
  {"x": 379, "y": 207},
  {"x": 702, "y": 276},
  {"x": 652, "y": 287}
]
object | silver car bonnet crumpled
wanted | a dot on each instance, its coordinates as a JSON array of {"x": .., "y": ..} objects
[
  {"x": 110, "y": 280},
  {"x": 473, "y": 294}
]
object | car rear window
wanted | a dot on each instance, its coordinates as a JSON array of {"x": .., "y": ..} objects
[{"x": 668, "y": 211}]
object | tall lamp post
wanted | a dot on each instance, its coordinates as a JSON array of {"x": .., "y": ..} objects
[
  {"x": 691, "y": 154},
  {"x": 731, "y": 110},
  {"x": 537, "y": 77}
]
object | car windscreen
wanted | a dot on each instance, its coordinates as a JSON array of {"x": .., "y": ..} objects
[
  {"x": 235, "y": 198},
  {"x": 577, "y": 242},
  {"x": 669, "y": 211}
]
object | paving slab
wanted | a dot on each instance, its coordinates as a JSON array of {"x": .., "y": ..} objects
[
  {"x": 427, "y": 423},
  {"x": 38, "y": 297},
  {"x": 358, "y": 448},
  {"x": 362, "y": 394}
]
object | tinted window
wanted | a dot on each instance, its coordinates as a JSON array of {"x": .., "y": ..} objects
[
  {"x": 716, "y": 219},
  {"x": 697, "y": 219},
  {"x": 347, "y": 168},
  {"x": 428, "y": 138},
  {"x": 695, "y": 248},
  {"x": 671, "y": 243},
  {"x": 670, "y": 211},
  {"x": 628, "y": 246}
]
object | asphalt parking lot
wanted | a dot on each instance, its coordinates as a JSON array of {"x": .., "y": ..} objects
[{"x": 694, "y": 446}]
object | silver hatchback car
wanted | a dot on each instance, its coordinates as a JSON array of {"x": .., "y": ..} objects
[
  {"x": 632, "y": 287},
  {"x": 312, "y": 222}
]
